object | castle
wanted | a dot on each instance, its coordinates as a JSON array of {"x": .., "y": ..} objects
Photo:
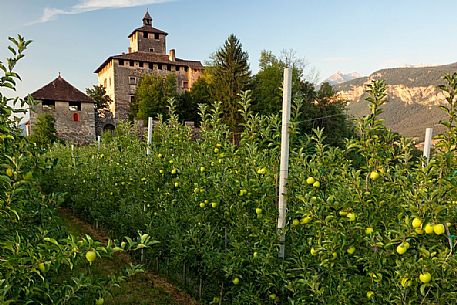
[
  {"x": 120, "y": 74},
  {"x": 74, "y": 112}
]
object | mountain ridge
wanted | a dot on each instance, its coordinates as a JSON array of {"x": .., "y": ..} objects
[{"x": 413, "y": 97}]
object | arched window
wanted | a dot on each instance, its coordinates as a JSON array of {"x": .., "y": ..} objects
[{"x": 76, "y": 117}]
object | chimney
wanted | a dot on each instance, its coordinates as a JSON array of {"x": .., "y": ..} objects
[{"x": 171, "y": 56}]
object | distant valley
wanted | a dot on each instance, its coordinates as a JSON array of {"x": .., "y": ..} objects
[{"x": 413, "y": 97}]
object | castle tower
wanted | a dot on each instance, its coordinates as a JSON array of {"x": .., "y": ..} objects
[
  {"x": 147, "y": 38},
  {"x": 120, "y": 74}
]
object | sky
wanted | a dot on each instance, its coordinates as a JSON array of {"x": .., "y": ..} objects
[{"x": 74, "y": 37}]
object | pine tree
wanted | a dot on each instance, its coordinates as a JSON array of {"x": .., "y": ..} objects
[{"x": 231, "y": 76}]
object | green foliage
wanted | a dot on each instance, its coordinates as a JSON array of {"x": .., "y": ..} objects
[
  {"x": 267, "y": 83},
  {"x": 37, "y": 256},
  {"x": 317, "y": 108},
  {"x": 8, "y": 129},
  {"x": 152, "y": 94},
  {"x": 98, "y": 94},
  {"x": 214, "y": 206},
  {"x": 230, "y": 76},
  {"x": 44, "y": 131}
]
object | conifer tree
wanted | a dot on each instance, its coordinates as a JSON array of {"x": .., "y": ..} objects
[{"x": 231, "y": 76}]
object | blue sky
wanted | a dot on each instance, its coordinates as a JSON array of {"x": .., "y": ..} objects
[{"x": 75, "y": 36}]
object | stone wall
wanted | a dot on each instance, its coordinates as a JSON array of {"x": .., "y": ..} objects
[
  {"x": 126, "y": 79},
  {"x": 139, "y": 43},
  {"x": 106, "y": 79},
  {"x": 82, "y": 132}
]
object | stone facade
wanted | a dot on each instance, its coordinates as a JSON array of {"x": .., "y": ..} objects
[
  {"x": 73, "y": 111},
  {"x": 120, "y": 74}
]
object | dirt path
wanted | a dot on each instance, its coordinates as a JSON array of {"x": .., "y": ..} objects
[{"x": 147, "y": 278}]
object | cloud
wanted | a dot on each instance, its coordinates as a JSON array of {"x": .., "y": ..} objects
[
  {"x": 83, "y": 6},
  {"x": 90, "y": 5}
]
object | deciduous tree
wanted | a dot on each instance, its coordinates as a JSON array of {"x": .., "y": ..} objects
[{"x": 152, "y": 94}]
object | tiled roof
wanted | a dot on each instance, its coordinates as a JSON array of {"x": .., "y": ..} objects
[
  {"x": 148, "y": 29},
  {"x": 60, "y": 90},
  {"x": 153, "y": 58}
]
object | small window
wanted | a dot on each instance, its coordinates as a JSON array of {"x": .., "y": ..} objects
[
  {"x": 76, "y": 117},
  {"x": 49, "y": 105},
  {"x": 132, "y": 98},
  {"x": 186, "y": 69},
  {"x": 132, "y": 80},
  {"x": 159, "y": 66},
  {"x": 141, "y": 64},
  {"x": 145, "y": 34},
  {"x": 156, "y": 36},
  {"x": 121, "y": 62},
  {"x": 185, "y": 85},
  {"x": 169, "y": 67},
  {"x": 177, "y": 68},
  {"x": 74, "y": 106},
  {"x": 151, "y": 65},
  {"x": 151, "y": 49},
  {"x": 132, "y": 63}
]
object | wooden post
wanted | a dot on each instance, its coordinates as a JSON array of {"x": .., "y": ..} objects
[
  {"x": 428, "y": 144},
  {"x": 148, "y": 151},
  {"x": 284, "y": 165}
]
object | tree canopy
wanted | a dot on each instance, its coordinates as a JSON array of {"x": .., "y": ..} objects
[
  {"x": 98, "y": 94},
  {"x": 44, "y": 132},
  {"x": 152, "y": 94}
]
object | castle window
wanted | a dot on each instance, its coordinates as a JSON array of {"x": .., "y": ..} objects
[
  {"x": 48, "y": 105},
  {"x": 159, "y": 66},
  {"x": 177, "y": 68},
  {"x": 186, "y": 69},
  {"x": 75, "y": 117},
  {"x": 169, "y": 67},
  {"x": 105, "y": 83},
  {"x": 74, "y": 106},
  {"x": 156, "y": 36},
  {"x": 132, "y": 98},
  {"x": 185, "y": 85},
  {"x": 121, "y": 62},
  {"x": 141, "y": 64},
  {"x": 132, "y": 63},
  {"x": 151, "y": 65},
  {"x": 145, "y": 34},
  {"x": 132, "y": 80},
  {"x": 151, "y": 50}
]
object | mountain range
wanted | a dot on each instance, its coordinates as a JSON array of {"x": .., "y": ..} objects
[
  {"x": 340, "y": 77},
  {"x": 413, "y": 98}
]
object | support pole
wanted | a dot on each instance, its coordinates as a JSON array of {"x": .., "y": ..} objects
[
  {"x": 73, "y": 154},
  {"x": 99, "y": 141},
  {"x": 428, "y": 144},
  {"x": 148, "y": 151},
  {"x": 284, "y": 165}
]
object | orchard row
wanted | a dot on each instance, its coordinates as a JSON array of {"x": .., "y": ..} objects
[{"x": 367, "y": 223}]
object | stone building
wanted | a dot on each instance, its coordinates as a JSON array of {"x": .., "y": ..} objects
[
  {"x": 73, "y": 111},
  {"x": 120, "y": 74}
]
